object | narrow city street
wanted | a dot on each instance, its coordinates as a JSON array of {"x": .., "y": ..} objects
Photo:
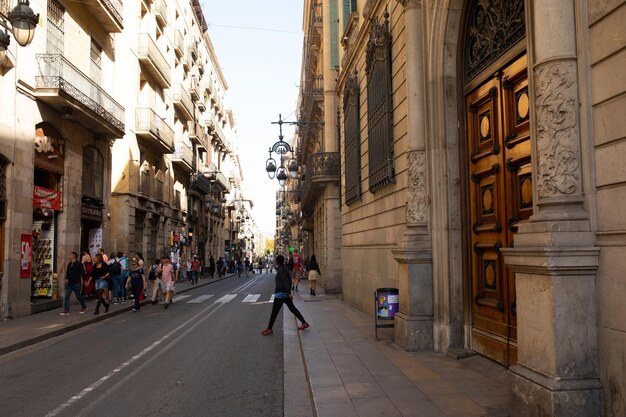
[{"x": 203, "y": 356}]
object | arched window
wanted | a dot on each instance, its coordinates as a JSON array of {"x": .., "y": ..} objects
[{"x": 93, "y": 173}]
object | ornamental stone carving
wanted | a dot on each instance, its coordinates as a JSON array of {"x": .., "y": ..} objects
[
  {"x": 416, "y": 210},
  {"x": 558, "y": 138},
  {"x": 408, "y": 4}
]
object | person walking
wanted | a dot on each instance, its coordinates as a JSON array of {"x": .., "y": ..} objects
[
  {"x": 247, "y": 266},
  {"x": 195, "y": 269},
  {"x": 74, "y": 280},
  {"x": 212, "y": 266},
  {"x": 260, "y": 265},
  {"x": 117, "y": 269},
  {"x": 101, "y": 277},
  {"x": 239, "y": 267},
  {"x": 166, "y": 269},
  {"x": 89, "y": 287},
  {"x": 282, "y": 296},
  {"x": 313, "y": 274},
  {"x": 136, "y": 282},
  {"x": 220, "y": 267},
  {"x": 155, "y": 279},
  {"x": 296, "y": 261}
]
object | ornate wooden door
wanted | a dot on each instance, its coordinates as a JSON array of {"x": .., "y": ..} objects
[{"x": 500, "y": 197}]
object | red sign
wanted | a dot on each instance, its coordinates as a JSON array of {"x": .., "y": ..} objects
[
  {"x": 44, "y": 198},
  {"x": 26, "y": 256}
]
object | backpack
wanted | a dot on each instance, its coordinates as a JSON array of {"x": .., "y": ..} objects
[
  {"x": 116, "y": 267},
  {"x": 290, "y": 264},
  {"x": 152, "y": 275}
]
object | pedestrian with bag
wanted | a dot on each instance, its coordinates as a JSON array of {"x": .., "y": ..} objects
[
  {"x": 154, "y": 278},
  {"x": 102, "y": 277},
  {"x": 89, "y": 287},
  {"x": 313, "y": 273},
  {"x": 74, "y": 280},
  {"x": 136, "y": 282},
  {"x": 282, "y": 296},
  {"x": 220, "y": 267},
  {"x": 195, "y": 269}
]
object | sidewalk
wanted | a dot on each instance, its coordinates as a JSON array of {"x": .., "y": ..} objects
[
  {"x": 348, "y": 373},
  {"x": 26, "y": 331}
]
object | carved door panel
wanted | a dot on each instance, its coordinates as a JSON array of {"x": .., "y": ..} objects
[{"x": 500, "y": 197}]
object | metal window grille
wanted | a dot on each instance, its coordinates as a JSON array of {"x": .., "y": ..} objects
[
  {"x": 492, "y": 28},
  {"x": 352, "y": 134},
  {"x": 96, "y": 62},
  {"x": 379, "y": 105},
  {"x": 55, "y": 28}
]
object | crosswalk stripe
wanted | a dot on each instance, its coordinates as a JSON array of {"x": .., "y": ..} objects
[
  {"x": 200, "y": 299},
  {"x": 251, "y": 298},
  {"x": 180, "y": 297},
  {"x": 226, "y": 298}
]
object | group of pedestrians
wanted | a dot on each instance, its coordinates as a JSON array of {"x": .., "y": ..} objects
[{"x": 114, "y": 279}]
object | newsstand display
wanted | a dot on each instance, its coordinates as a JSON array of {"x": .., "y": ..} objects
[{"x": 44, "y": 279}]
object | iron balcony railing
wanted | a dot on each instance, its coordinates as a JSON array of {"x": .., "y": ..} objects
[
  {"x": 193, "y": 50},
  {"x": 147, "y": 121},
  {"x": 194, "y": 88},
  {"x": 321, "y": 167},
  {"x": 182, "y": 101},
  {"x": 182, "y": 153},
  {"x": 149, "y": 51},
  {"x": 55, "y": 71}
]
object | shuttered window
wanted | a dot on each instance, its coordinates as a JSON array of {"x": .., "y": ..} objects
[
  {"x": 352, "y": 134},
  {"x": 379, "y": 105}
]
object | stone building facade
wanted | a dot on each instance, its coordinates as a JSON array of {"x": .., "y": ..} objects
[
  {"x": 113, "y": 135},
  {"x": 480, "y": 145},
  {"x": 61, "y": 114},
  {"x": 169, "y": 173}
]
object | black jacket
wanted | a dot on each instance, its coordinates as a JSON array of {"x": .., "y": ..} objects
[
  {"x": 75, "y": 272},
  {"x": 283, "y": 279}
]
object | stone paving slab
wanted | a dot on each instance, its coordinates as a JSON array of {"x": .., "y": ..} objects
[{"x": 352, "y": 374}]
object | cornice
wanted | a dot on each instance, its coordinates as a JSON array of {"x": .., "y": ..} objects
[{"x": 409, "y": 4}]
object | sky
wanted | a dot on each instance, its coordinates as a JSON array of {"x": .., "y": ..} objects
[{"x": 259, "y": 48}]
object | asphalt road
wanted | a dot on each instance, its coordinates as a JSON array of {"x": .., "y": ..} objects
[{"x": 204, "y": 356}]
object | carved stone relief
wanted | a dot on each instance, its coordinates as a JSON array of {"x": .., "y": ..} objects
[
  {"x": 417, "y": 202},
  {"x": 410, "y": 3},
  {"x": 558, "y": 137}
]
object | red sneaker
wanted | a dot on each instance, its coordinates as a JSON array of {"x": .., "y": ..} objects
[
  {"x": 304, "y": 326},
  {"x": 267, "y": 332}
]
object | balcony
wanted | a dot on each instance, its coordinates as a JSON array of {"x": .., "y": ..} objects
[
  {"x": 77, "y": 97},
  {"x": 187, "y": 63},
  {"x": 182, "y": 102},
  {"x": 322, "y": 168},
  {"x": 197, "y": 135},
  {"x": 108, "y": 13},
  {"x": 150, "y": 127},
  {"x": 216, "y": 134},
  {"x": 179, "y": 43},
  {"x": 216, "y": 177},
  {"x": 182, "y": 157},
  {"x": 160, "y": 12},
  {"x": 153, "y": 61},
  {"x": 193, "y": 50},
  {"x": 194, "y": 90}
]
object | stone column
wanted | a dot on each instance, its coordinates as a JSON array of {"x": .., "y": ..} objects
[
  {"x": 554, "y": 257},
  {"x": 414, "y": 321}
]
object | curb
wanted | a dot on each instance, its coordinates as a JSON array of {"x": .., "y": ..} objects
[{"x": 72, "y": 327}]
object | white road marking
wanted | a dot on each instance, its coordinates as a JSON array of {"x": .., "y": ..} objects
[
  {"x": 251, "y": 298},
  {"x": 226, "y": 298},
  {"x": 200, "y": 299},
  {"x": 188, "y": 327},
  {"x": 180, "y": 297},
  {"x": 272, "y": 298}
]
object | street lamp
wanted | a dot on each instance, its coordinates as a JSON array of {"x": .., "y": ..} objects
[
  {"x": 23, "y": 23},
  {"x": 281, "y": 147}
]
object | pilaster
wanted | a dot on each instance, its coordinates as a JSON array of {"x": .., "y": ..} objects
[
  {"x": 554, "y": 258},
  {"x": 414, "y": 322}
]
